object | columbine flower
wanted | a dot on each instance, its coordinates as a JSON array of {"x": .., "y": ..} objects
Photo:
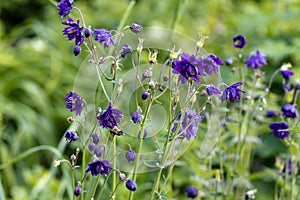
[
  {"x": 191, "y": 192},
  {"x": 232, "y": 93},
  {"x": 286, "y": 74},
  {"x": 278, "y": 127},
  {"x": 74, "y": 102},
  {"x": 211, "y": 90},
  {"x": 71, "y": 136},
  {"x": 125, "y": 50},
  {"x": 188, "y": 67},
  {"x": 77, "y": 191},
  {"x": 256, "y": 61},
  {"x": 289, "y": 111},
  {"x": 74, "y": 31},
  {"x": 271, "y": 113},
  {"x": 145, "y": 95},
  {"x": 110, "y": 118},
  {"x": 239, "y": 41},
  {"x": 136, "y": 28},
  {"x": 65, "y": 7},
  {"x": 210, "y": 64},
  {"x": 136, "y": 117},
  {"x": 104, "y": 37},
  {"x": 130, "y": 155},
  {"x": 131, "y": 185},
  {"x": 98, "y": 167}
]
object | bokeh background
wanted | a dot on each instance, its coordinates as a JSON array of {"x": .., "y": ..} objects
[{"x": 38, "y": 68}]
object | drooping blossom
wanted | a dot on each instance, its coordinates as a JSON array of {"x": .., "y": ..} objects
[
  {"x": 98, "y": 167},
  {"x": 278, "y": 129},
  {"x": 289, "y": 111},
  {"x": 104, "y": 37},
  {"x": 110, "y": 118},
  {"x": 256, "y": 60},
  {"x": 71, "y": 136},
  {"x": 73, "y": 31},
  {"x": 74, "y": 102},
  {"x": 136, "y": 28},
  {"x": 286, "y": 74},
  {"x": 130, "y": 155},
  {"x": 131, "y": 185},
  {"x": 232, "y": 93},
  {"x": 212, "y": 90},
  {"x": 126, "y": 49},
  {"x": 65, "y": 7}
]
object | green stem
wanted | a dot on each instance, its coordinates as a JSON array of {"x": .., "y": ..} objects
[{"x": 95, "y": 186}]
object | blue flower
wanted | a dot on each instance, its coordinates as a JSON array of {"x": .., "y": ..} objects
[
  {"x": 278, "y": 127},
  {"x": 286, "y": 74},
  {"x": 73, "y": 31},
  {"x": 126, "y": 49},
  {"x": 136, "y": 117},
  {"x": 289, "y": 111},
  {"x": 131, "y": 185},
  {"x": 232, "y": 93},
  {"x": 239, "y": 41},
  {"x": 104, "y": 37},
  {"x": 77, "y": 191},
  {"x": 74, "y": 102},
  {"x": 211, "y": 90},
  {"x": 210, "y": 64},
  {"x": 136, "y": 28},
  {"x": 256, "y": 61},
  {"x": 130, "y": 155},
  {"x": 71, "y": 136},
  {"x": 271, "y": 113},
  {"x": 98, "y": 167},
  {"x": 110, "y": 118},
  {"x": 65, "y": 7},
  {"x": 191, "y": 192}
]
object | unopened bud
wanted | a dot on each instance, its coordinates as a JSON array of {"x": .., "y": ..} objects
[
  {"x": 70, "y": 119},
  {"x": 151, "y": 85},
  {"x": 122, "y": 176}
]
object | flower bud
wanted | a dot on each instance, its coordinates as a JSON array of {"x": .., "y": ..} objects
[
  {"x": 151, "y": 85},
  {"x": 77, "y": 191},
  {"x": 95, "y": 138},
  {"x": 136, "y": 117},
  {"x": 131, "y": 185},
  {"x": 130, "y": 155},
  {"x": 145, "y": 95},
  {"x": 98, "y": 151},
  {"x": 136, "y": 28},
  {"x": 77, "y": 50},
  {"x": 122, "y": 177}
]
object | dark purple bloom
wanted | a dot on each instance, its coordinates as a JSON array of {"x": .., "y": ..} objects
[
  {"x": 191, "y": 192},
  {"x": 104, "y": 37},
  {"x": 136, "y": 117},
  {"x": 125, "y": 50},
  {"x": 271, "y": 113},
  {"x": 289, "y": 111},
  {"x": 71, "y": 136},
  {"x": 287, "y": 87},
  {"x": 232, "y": 93},
  {"x": 87, "y": 32},
  {"x": 95, "y": 138},
  {"x": 77, "y": 50},
  {"x": 130, "y": 155},
  {"x": 239, "y": 41},
  {"x": 145, "y": 95},
  {"x": 110, "y": 118},
  {"x": 211, "y": 90},
  {"x": 98, "y": 151},
  {"x": 131, "y": 185},
  {"x": 256, "y": 61},
  {"x": 286, "y": 74},
  {"x": 74, "y": 31},
  {"x": 210, "y": 64},
  {"x": 74, "y": 102},
  {"x": 98, "y": 167},
  {"x": 136, "y": 28},
  {"x": 77, "y": 191},
  {"x": 278, "y": 127},
  {"x": 65, "y": 7}
]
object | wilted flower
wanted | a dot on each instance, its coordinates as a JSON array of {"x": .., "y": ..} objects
[
  {"x": 232, "y": 93},
  {"x": 110, "y": 117},
  {"x": 65, "y": 7},
  {"x": 278, "y": 127},
  {"x": 211, "y": 90},
  {"x": 191, "y": 192},
  {"x": 131, "y": 185},
  {"x": 98, "y": 167},
  {"x": 286, "y": 74},
  {"x": 239, "y": 41},
  {"x": 74, "y": 102},
  {"x": 77, "y": 191},
  {"x": 104, "y": 37},
  {"x": 256, "y": 61},
  {"x": 71, "y": 136},
  {"x": 125, "y": 50},
  {"x": 73, "y": 31},
  {"x": 289, "y": 111},
  {"x": 130, "y": 155},
  {"x": 136, "y": 28}
]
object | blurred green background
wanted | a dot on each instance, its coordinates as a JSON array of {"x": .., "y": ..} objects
[{"x": 37, "y": 69}]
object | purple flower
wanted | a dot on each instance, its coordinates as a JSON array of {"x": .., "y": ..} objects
[
  {"x": 136, "y": 117},
  {"x": 98, "y": 167},
  {"x": 104, "y": 37},
  {"x": 95, "y": 138},
  {"x": 77, "y": 50},
  {"x": 87, "y": 32},
  {"x": 77, "y": 191},
  {"x": 65, "y": 7},
  {"x": 110, "y": 118},
  {"x": 287, "y": 87},
  {"x": 98, "y": 151},
  {"x": 71, "y": 136},
  {"x": 239, "y": 41},
  {"x": 131, "y": 185},
  {"x": 74, "y": 102},
  {"x": 130, "y": 155},
  {"x": 73, "y": 31},
  {"x": 145, "y": 95},
  {"x": 191, "y": 192},
  {"x": 210, "y": 64},
  {"x": 211, "y": 90},
  {"x": 256, "y": 61},
  {"x": 91, "y": 146},
  {"x": 271, "y": 113},
  {"x": 289, "y": 111},
  {"x": 136, "y": 28},
  {"x": 286, "y": 74},
  {"x": 188, "y": 67},
  {"x": 278, "y": 127},
  {"x": 125, "y": 50},
  {"x": 232, "y": 93}
]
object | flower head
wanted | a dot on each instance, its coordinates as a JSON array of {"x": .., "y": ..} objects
[
  {"x": 73, "y": 31},
  {"x": 289, "y": 111},
  {"x": 278, "y": 127},
  {"x": 65, "y": 7},
  {"x": 131, "y": 185},
  {"x": 130, "y": 155},
  {"x": 211, "y": 90},
  {"x": 136, "y": 28},
  {"x": 256, "y": 61},
  {"x": 104, "y": 37},
  {"x": 71, "y": 136},
  {"x": 74, "y": 102},
  {"x": 210, "y": 64},
  {"x": 136, "y": 117},
  {"x": 239, "y": 41},
  {"x": 110, "y": 118},
  {"x": 191, "y": 192},
  {"x": 286, "y": 74},
  {"x": 271, "y": 113},
  {"x": 232, "y": 93},
  {"x": 126, "y": 49},
  {"x": 98, "y": 167}
]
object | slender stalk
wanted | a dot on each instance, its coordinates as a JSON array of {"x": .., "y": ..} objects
[{"x": 95, "y": 186}]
